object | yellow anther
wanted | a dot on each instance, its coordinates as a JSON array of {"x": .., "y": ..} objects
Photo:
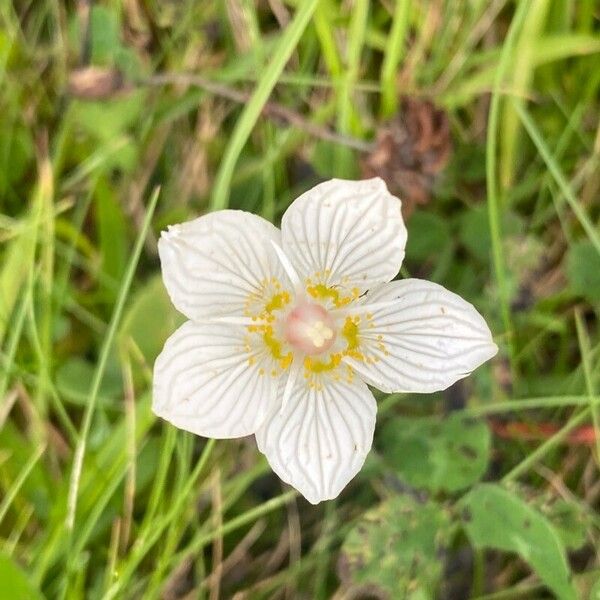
[{"x": 322, "y": 292}]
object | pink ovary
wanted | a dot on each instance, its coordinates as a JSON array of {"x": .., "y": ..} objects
[{"x": 310, "y": 328}]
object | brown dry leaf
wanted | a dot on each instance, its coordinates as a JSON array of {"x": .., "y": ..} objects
[
  {"x": 180, "y": 581},
  {"x": 195, "y": 171},
  {"x": 411, "y": 151},
  {"x": 239, "y": 19},
  {"x": 96, "y": 83},
  {"x": 137, "y": 30}
]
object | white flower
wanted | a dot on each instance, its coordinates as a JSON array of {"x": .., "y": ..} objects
[{"x": 286, "y": 329}]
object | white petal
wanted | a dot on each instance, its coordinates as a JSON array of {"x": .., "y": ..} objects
[
  {"x": 416, "y": 336},
  {"x": 221, "y": 264},
  {"x": 319, "y": 440},
  {"x": 205, "y": 383},
  {"x": 347, "y": 233}
]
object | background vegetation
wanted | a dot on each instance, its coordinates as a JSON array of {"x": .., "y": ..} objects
[{"x": 120, "y": 117}]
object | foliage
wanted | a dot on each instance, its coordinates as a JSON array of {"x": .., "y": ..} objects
[
  {"x": 437, "y": 453},
  {"x": 120, "y": 118},
  {"x": 397, "y": 548},
  {"x": 495, "y": 518},
  {"x": 14, "y": 582}
]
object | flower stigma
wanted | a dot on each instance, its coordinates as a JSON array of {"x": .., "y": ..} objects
[{"x": 310, "y": 328}]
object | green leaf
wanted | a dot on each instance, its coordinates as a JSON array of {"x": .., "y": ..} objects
[
  {"x": 323, "y": 158},
  {"x": 583, "y": 270},
  {"x": 150, "y": 319},
  {"x": 112, "y": 230},
  {"x": 496, "y": 518},
  {"x": 429, "y": 236},
  {"x": 17, "y": 153},
  {"x": 106, "y": 131},
  {"x": 108, "y": 119},
  {"x": 15, "y": 453},
  {"x": 73, "y": 382},
  {"x": 474, "y": 230},
  {"x": 104, "y": 35},
  {"x": 438, "y": 454},
  {"x": 396, "y": 548},
  {"x": 14, "y": 582},
  {"x": 17, "y": 259},
  {"x": 568, "y": 519}
]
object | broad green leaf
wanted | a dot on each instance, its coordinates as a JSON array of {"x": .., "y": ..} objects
[
  {"x": 474, "y": 231},
  {"x": 14, "y": 582},
  {"x": 568, "y": 519},
  {"x": 150, "y": 319},
  {"x": 73, "y": 382},
  {"x": 429, "y": 236},
  {"x": 322, "y": 158},
  {"x": 583, "y": 270},
  {"x": 496, "y": 518},
  {"x": 109, "y": 123},
  {"x": 104, "y": 35},
  {"x": 396, "y": 547},
  {"x": 437, "y": 453},
  {"x": 112, "y": 231}
]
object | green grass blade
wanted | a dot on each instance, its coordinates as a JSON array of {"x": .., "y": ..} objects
[
  {"x": 149, "y": 537},
  {"x": 585, "y": 351},
  {"x": 394, "y": 51},
  {"x": 16, "y": 486},
  {"x": 493, "y": 195},
  {"x": 557, "y": 174},
  {"x": 348, "y": 120},
  {"x": 514, "y": 406},
  {"x": 261, "y": 94},
  {"x": 547, "y": 445},
  {"x": 522, "y": 69},
  {"x": 104, "y": 353}
]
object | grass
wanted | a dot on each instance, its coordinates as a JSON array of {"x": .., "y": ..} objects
[{"x": 245, "y": 105}]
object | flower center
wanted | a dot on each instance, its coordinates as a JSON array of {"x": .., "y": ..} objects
[{"x": 310, "y": 328}]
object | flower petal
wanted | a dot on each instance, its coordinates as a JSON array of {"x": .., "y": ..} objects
[
  {"x": 347, "y": 233},
  {"x": 416, "y": 336},
  {"x": 208, "y": 382},
  {"x": 221, "y": 264},
  {"x": 318, "y": 441}
]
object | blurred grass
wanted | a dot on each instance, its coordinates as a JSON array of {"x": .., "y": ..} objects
[{"x": 99, "y": 500}]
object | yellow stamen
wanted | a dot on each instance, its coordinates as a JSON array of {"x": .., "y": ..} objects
[
  {"x": 277, "y": 302},
  {"x": 315, "y": 365},
  {"x": 322, "y": 292},
  {"x": 350, "y": 332}
]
